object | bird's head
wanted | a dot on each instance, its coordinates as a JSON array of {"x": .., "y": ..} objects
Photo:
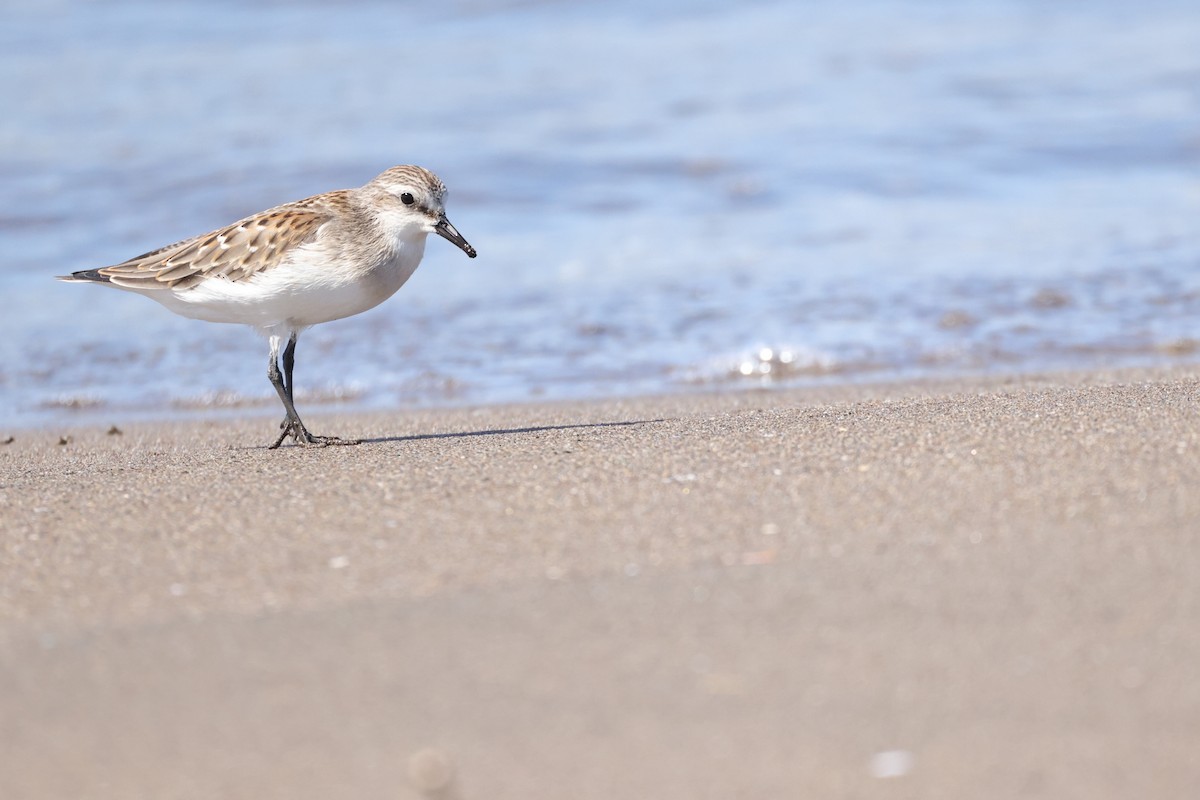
[{"x": 413, "y": 199}]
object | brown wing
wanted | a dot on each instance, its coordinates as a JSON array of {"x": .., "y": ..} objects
[{"x": 235, "y": 252}]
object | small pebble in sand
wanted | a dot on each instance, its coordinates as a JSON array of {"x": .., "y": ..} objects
[
  {"x": 431, "y": 770},
  {"x": 891, "y": 763}
]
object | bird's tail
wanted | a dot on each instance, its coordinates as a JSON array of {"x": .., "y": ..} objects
[{"x": 84, "y": 276}]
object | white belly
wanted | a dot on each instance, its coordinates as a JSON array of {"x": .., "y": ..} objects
[{"x": 307, "y": 290}]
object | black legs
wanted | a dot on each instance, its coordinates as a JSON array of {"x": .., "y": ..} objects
[
  {"x": 289, "y": 362},
  {"x": 285, "y": 387}
]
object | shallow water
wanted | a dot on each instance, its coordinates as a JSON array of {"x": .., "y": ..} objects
[{"x": 663, "y": 196}]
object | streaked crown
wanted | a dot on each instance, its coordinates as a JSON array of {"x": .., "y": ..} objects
[{"x": 409, "y": 175}]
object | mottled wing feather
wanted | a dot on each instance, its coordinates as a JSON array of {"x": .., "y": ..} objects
[{"x": 234, "y": 253}]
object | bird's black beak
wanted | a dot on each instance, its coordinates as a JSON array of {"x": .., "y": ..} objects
[{"x": 451, "y": 234}]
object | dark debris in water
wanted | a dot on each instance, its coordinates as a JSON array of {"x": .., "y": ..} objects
[
  {"x": 217, "y": 399},
  {"x": 1180, "y": 347},
  {"x": 229, "y": 399},
  {"x": 72, "y": 402},
  {"x": 955, "y": 320},
  {"x": 1050, "y": 298}
]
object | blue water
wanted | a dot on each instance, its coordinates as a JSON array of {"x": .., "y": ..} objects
[{"x": 664, "y": 195}]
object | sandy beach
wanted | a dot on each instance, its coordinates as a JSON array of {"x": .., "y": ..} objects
[{"x": 984, "y": 588}]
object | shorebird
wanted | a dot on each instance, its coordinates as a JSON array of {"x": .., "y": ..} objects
[{"x": 296, "y": 265}]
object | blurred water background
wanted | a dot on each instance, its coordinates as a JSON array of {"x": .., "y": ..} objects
[{"x": 665, "y": 196}]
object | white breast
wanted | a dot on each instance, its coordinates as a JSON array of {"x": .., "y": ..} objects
[{"x": 312, "y": 287}]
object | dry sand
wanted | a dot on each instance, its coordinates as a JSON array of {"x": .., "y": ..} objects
[{"x": 983, "y": 590}]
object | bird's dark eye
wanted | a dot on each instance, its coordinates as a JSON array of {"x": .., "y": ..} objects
[{"x": 407, "y": 199}]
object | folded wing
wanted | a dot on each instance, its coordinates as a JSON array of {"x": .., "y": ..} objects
[{"x": 233, "y": 253}]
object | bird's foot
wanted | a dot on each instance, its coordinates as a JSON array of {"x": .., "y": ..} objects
[{"x": 300, "y": 435}]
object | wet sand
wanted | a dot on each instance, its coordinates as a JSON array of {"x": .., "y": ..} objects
[{"x": 971, "y": 589}]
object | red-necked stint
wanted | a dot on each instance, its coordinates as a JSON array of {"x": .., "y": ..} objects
[{"x": 297, "y": 265}]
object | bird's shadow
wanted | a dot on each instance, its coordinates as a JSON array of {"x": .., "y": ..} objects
[{"x": 509, "y": 431}]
